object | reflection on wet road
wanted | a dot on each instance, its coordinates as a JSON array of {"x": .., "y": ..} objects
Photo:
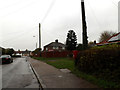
[{"x": 18, "y": 75}]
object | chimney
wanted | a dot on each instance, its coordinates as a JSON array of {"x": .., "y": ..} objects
[{"x": 56, "y": 40}]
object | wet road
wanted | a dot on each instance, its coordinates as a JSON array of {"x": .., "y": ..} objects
[{"x": 18, "y": 75}]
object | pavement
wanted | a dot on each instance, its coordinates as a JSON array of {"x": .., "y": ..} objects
[{"x": 51, "y": 77}]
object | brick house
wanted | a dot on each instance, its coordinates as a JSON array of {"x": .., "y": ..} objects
[
  {"x": 113, "y": 39},
  {"x": 55, "y": 49},
  {"x": 54, "y": 46},
  {"x": 22, "y": 53}
]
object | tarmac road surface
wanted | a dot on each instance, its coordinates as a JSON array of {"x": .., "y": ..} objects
[{"x": 18, "y": 75}]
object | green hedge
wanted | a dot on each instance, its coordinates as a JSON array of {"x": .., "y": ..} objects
[{"x": 101, "y": 61}]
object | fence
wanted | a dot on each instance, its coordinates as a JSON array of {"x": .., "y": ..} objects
[{"x": 56, "y": 53}]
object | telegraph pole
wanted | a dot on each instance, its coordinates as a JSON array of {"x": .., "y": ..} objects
[
  {"x": 39, "y": 35},
  {"x": 36, "y": 45},
  {"x": 84, "y": 26}
]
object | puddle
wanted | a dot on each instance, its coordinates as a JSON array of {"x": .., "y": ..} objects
[
  {"x": 65, "y": 70},
  {"x": 59, "y": 76}
]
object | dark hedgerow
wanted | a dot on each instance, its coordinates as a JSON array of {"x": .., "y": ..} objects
[{"x": 102, "y": 62}]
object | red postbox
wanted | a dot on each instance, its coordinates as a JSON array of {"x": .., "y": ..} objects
[{"x": 75, "y": 52}]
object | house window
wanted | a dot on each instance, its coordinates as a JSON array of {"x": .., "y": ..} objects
[
  {"x": 53, "y": 47},
  {"x": 56, "y": 47},
  {"x": 46, "y": 49},
  {"x": 63, "y": 48}
]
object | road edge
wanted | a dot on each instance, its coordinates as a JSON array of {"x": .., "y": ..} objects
[{"x": 38, "y": 79}]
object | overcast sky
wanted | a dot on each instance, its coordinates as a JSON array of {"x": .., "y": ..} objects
[{"x": 19, "y": 20}]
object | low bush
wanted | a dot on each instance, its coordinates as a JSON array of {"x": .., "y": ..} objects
[{"x": 102, "y": 62}]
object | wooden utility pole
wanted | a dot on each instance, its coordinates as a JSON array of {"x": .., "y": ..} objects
[
  {"x": 39, "y": 35},
  {"x": 84, "y": 26},
  {"x": 36, "y": 45}
]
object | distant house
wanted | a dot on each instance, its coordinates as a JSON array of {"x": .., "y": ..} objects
[
  {"x": 22, "y": 53},
  {"x": 26, "y": 53},
  {"x": 54, "y": 46},
  {"x": 113, "y": 39},
  {"x": 0, "y": 51},
  {"x": 18, "y": 53},
  {"x": 55, "y": 49}
]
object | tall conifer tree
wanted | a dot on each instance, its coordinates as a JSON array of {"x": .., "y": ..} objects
[{"x": 71, "y": 40}]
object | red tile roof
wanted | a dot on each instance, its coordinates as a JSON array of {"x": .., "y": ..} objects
[{"x": 113, "y": 39}]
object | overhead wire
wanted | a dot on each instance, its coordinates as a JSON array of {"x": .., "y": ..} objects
[
  {"x": 94, "y": 15},
  {"x": 114, "y": 3},
  {"x": 21, "y": 8},
  {"x": 16, "y": 33},
  {"x": 48, "y": 11},
  {"x": 94, "y": 12},
  {"x": 18, "y": 37},
  {"x": 11, "y": 5}
]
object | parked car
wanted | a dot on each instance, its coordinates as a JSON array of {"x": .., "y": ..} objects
[{"x": 6, "y": 59}]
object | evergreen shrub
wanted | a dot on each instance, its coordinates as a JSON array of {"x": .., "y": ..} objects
[{"x": 101, "y": 61}]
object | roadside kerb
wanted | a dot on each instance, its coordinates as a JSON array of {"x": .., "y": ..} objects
[{"x": 39, "y": 80}]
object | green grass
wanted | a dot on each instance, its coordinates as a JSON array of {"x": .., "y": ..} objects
[{"x": 62, "y": 63}]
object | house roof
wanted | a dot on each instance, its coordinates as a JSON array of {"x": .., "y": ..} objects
[
  {"x": 55, "y": 44},
  {"x": 22, "y": 52},
  {"x": 113, "y": 39}
]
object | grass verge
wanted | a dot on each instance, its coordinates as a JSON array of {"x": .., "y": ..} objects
[{"x": 62, "y": 63}]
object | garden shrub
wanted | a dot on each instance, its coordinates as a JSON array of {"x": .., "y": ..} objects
[{"x": 101, "y": 61}]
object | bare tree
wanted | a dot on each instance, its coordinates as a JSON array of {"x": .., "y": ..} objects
[{"x": 105, "y": 35}]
